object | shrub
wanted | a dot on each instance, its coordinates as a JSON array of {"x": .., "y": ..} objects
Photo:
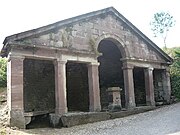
[
  {"x": 3, "y": 74},
  {"x": 175, "y": 73}
]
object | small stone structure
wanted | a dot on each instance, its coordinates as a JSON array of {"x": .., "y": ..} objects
[
  {"x": 115, "y": 99},
  {"x": 67, "y": 66}
]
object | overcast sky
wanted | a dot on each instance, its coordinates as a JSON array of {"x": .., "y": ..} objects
[{"x": 21, "y": 15}]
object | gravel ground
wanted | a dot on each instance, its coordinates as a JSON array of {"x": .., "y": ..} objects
[{"x": 162, "y": 121}]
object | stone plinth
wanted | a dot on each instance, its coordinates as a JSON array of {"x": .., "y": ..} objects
[{"x": 115, "y": 97}]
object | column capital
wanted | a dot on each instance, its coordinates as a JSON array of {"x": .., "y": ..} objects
[
  {"x": 60, "y": 61},
  {"x": 94, "y": 64},
  {"x": 149, "y": 68},
  {"x": 127, "y": 67},
  {"x": 10, "y": 56}
]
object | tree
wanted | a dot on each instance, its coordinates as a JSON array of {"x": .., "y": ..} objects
[
  {"x": 3, "y": 69},
  {"x": 160, "y": 24}
]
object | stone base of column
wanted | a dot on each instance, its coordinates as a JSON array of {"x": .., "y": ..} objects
[
  {"x": 17, "y": 119},
  {"x": 95, "y": 109},
  {"x": 148, "y": 103},
  {"x": 55, "y": 120},
  {"x": 130, "y": 106},
  {"x": 61, "y": 110}
]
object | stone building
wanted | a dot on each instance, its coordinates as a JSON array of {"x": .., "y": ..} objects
[{"x": 69, "y": 65}]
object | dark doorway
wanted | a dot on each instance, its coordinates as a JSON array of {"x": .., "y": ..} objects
[
  {"x": 77, "y": 87},
  {"x": 139, "y": 86},
  {"x": 158, "y": 85},
  {"x": 39, "y": 85},
  {"x": 110, "y": 70}
]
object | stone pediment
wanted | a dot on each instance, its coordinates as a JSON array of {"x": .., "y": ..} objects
[{"x": 82, "y": 32}]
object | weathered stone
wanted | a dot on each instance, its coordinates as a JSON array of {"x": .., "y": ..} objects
[
  {"x": 17, "y": 119},
  {"x": 130, "y": 112},
  {"x": 55, "y": 120},
  {"x": 114, "y": 108},
  {"x": 72, "y": 119},
  {"x": 115, "y": 103}
]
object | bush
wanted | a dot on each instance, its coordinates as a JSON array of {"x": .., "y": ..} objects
[
  {"x": 3, "y": 74},
  {"x": 175, "y": 83},
  {"x": 175, "y": 73}
]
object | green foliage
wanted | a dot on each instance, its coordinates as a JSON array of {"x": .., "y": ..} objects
[
  {"x": 160, "y": 24},
  {"x": 175, "y": 71},
  {"x": 3, "y": 70},
  {"x": 175, "y": 83}
]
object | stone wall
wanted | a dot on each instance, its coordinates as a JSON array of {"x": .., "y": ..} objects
[{"x": 39, "y": 85}]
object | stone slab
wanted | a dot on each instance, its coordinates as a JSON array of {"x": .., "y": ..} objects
[
  {"x": 72, "y": 119},
  {"x": 130, "y": 112},
  {"x": 79, "y": 118}
]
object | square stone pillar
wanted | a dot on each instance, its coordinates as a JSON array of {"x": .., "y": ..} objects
[
  {"x": 166, "y": 85},
  {"x": 129, "y": 87},
  {"x": 15, "y": 96},
  {"x": 149, "y": 86},
  {"x": 60, "y": 87},
  {"x": 115, "y": 99},
  {"x": 94, "y": 92}
]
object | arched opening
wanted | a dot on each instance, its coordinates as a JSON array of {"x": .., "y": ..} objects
[{"x": 110, "y": 70}]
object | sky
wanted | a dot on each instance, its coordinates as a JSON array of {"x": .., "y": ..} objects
[{"x": 21, "y": 15}]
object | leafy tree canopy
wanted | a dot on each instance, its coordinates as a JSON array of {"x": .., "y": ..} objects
[{"x": 160, "y": 24}]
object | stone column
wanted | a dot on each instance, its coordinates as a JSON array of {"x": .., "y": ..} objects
[
  {"x": 149, "y": 86},
  {"x": 15, "y": 91},
  {"x": 166, "y": 85},
  {"x": 129, "y": 87},
  {"x": 60, "y": 87},
  {"x": 94, "y": 92}
]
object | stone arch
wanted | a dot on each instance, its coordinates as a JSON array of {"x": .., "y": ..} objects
[
  {"x": 112, "y": 50},
  {"x": 116, "y": 40}
]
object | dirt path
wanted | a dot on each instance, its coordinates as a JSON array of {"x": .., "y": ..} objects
[{"x": 162, "y": 121}]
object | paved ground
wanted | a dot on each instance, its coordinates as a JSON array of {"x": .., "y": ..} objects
[{"x": 163, "y": 121}]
